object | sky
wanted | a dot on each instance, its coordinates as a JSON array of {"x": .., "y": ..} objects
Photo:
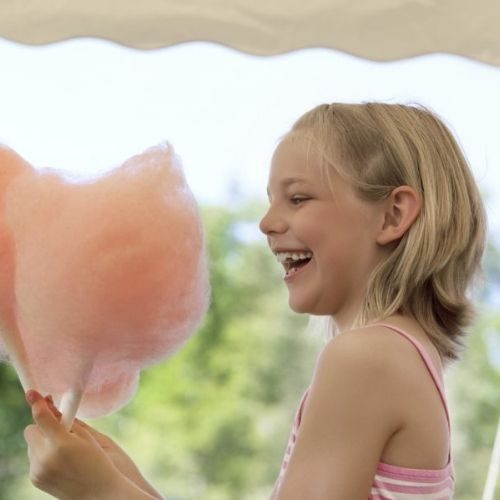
[{"x": 86, "y": 105}]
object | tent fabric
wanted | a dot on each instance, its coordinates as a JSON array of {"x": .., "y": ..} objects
[{"x": 374, "y": 29}]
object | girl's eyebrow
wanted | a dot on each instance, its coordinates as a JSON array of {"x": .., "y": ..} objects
[
  {"x": 288, "y": 182},
  {"x": 292, "y": 180}
]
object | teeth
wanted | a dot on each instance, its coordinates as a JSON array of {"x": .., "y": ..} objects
[{"x": 284, "y": 256}]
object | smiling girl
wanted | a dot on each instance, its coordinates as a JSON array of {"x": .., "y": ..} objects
[{"x": 380, "y": 227}]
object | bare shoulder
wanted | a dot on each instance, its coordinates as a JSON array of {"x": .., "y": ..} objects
[
  {"x": 395, "y": 386},
  {"x": 375, "y": 365},
  {"x": 367, "y": 350},
  {"x": 369, "y": 362}
]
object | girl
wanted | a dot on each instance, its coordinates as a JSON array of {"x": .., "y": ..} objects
[{"x": 379, "y": 225}]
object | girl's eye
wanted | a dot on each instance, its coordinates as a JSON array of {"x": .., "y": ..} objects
[{"x": 297, "y": 200}]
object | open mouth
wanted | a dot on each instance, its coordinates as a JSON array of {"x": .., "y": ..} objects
[{"x": 293, "y": 261}]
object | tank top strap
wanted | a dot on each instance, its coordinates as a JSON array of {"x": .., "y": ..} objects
[{"x": 435, "y": 374}]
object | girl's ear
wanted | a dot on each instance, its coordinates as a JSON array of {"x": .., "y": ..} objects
[{"x": 401, "y": 209}]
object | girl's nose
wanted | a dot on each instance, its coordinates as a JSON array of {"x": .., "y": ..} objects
[{"x": 272, "y": 223}]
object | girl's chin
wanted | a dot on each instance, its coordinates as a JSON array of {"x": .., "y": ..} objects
[{"x": 300, "y": 306}]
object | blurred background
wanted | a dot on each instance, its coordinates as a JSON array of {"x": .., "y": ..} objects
[{"x": 212, "y": 423}]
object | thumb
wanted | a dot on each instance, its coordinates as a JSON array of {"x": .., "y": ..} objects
[{"x": 43, "y": 416}]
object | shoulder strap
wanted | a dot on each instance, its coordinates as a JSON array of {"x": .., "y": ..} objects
[{"x": 436, "y": 376}]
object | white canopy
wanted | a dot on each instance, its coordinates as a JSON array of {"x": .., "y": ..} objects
[{"x": 373, "y": 29}]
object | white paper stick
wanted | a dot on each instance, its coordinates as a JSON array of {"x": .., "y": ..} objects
[
  {"x": 70, "y": 402},
  {"x": 491, "y": 480}
]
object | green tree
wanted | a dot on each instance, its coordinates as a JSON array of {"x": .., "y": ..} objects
[
  {"x": 219, "y": 406},
  {"x": 212, "y": 422},
  {"x": 474, "y": 384},
  {"x": 14, "y": 416},
  {"x": 475, "y": 396}
]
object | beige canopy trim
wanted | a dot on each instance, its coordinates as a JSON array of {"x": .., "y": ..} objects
[{"x": 374, "y": 29}]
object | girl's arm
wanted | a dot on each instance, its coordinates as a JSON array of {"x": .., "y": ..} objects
[
  {"x": 71, "y": 465},
  {"x": 119, "y": 489},
  {"x": 118, "y": 456},
  {"x": 125, "y": 488},
  {"x": 121, "y": 460},
  {"x": 350, "y": 414}
]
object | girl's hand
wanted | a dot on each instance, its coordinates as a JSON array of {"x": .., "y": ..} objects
[
  {"x": 121, "y": 460},
  {"x": 67, "y": 465},
  {"x": 117, "y": 455}
]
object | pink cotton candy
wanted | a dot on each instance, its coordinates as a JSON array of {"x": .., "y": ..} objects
[
  {"x": 110, "y": 275},
  {"x": 11, "y": 166},
  {"x": 11, "y": 344}
]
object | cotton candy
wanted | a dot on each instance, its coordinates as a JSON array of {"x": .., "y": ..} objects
[
  {"x": 109, "y": 275},
  {"x": 11, "y": 343}
]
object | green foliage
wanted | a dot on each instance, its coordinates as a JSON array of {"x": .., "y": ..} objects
[
  {"x": 475, "y": 397},
  {"x": 209, "y": 423},
  {"x": 213, "y": 416},
  {"x": 14, "y": 416},
  {"x": 473, "y": 384},
  {"x": 212, "y": 423}
]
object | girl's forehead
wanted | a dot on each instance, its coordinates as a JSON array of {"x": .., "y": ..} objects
[
  {"x": 298, "y": 160},
  {"x": 294, "y": 172},
  {"x": 297, "y": 153}
]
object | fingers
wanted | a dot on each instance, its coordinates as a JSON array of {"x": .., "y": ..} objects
[
  {"x": 79, "y": 427},
  {"x": 58, "y": 414},
  {"x": 52, "y": 408},
  {"x": 43, "y": 415},
  {"x": 32, "y": 435},
  {"x": 81, "y": 431}
]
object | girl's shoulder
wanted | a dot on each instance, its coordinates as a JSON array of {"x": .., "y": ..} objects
[
  {"x": 397, "y": 371},
  {"x": 380, "y": 361},
  {"x": 403, "y": 368},
  {"x": 373, "y": 365},
  {"x": 359, "y": 399},
  {"x": 385, "y": 346},
  {"x": 348, "y": 416},
  {"x": 368, "y": 348}
]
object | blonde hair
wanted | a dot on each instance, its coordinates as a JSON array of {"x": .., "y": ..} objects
[{"x": 378, "y": 147}]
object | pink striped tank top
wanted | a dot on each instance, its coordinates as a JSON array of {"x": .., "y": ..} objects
[{"x": 392, "y": 482}]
